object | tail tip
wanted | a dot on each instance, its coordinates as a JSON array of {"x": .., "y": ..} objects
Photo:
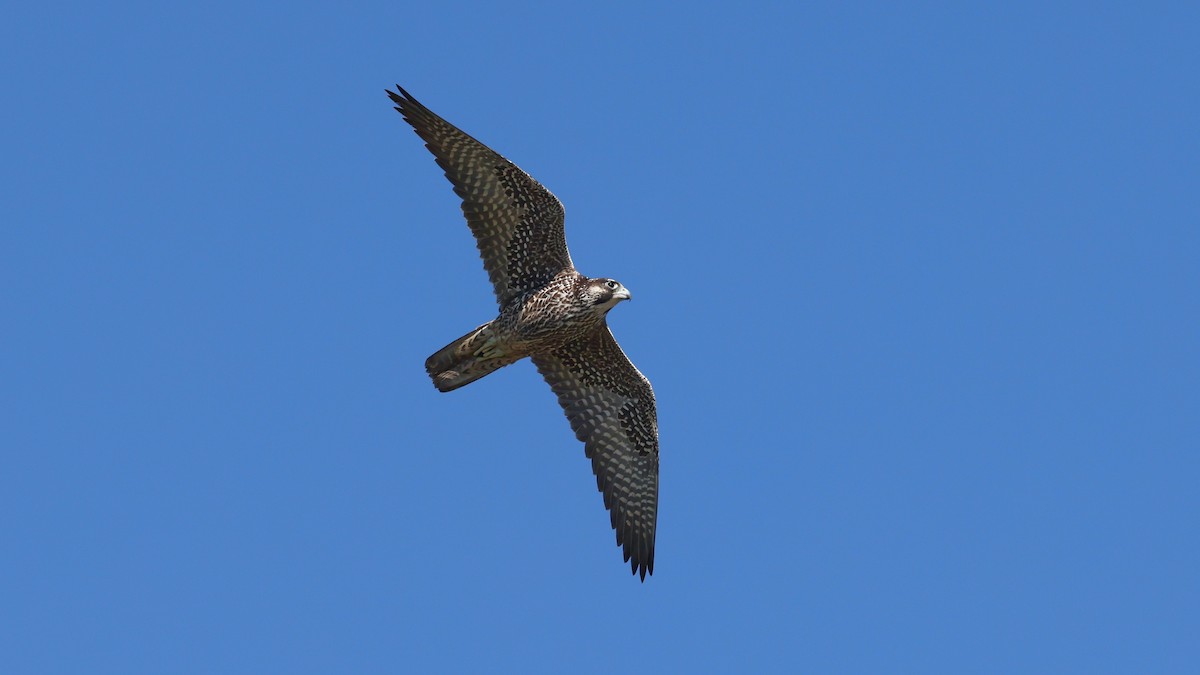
[{"x": 447, "y": 380}]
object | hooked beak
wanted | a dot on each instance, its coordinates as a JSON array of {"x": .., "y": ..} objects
[{"x": 623, "y": 293}]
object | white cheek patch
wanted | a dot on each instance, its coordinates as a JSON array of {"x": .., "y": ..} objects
[{"x": 610, "y": 303}]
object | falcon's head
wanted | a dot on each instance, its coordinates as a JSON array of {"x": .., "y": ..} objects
[{"x": 604, "y": 294}]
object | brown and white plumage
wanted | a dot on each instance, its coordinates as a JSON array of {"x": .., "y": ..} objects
[
  {"x": 557, "y": 317},
  {"x": 611, "y": 409},
  {"x": 517, "y": 223}
]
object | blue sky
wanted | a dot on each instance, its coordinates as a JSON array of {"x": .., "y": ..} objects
[{"x": 916, "y": 286}]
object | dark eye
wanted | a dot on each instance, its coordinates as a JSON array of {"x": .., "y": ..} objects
[{"x": 611, "y": 284}]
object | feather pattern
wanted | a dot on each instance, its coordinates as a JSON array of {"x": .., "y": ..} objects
[
  {"x": 517, "y": 223},
  {"x": 611, "y": 409}
]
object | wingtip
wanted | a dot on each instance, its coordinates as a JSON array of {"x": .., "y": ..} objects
[
  {"x": 641, "y": 569},
  {"x": 403, "y": 97},
  {"x": 636, "y": 550},
  {"x": 641, "y": 563}
]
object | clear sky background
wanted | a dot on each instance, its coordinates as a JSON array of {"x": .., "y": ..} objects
[{"x": 917, "y": 288}]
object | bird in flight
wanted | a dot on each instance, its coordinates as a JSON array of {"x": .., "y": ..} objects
[{"x": 555, "y": 316}]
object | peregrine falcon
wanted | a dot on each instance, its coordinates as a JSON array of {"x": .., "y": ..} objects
[{"x": 555, "y": 316}]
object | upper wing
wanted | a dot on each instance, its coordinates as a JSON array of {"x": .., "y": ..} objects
[
  {"x": 611, "y": 408},
  {"x": 517, "y": 223}
]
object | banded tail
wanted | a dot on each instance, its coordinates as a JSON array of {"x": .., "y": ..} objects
[{"x": 467, "y": 359}]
